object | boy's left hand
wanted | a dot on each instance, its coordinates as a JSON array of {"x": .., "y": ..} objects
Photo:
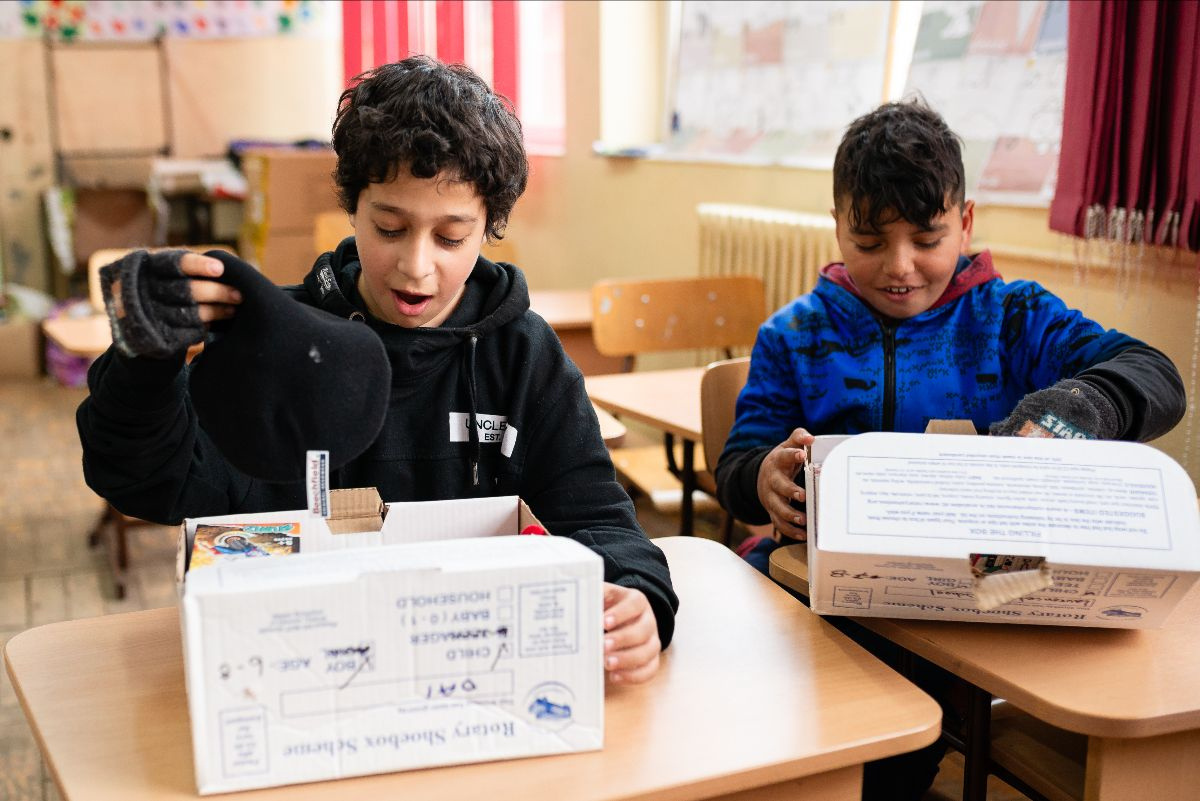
[
  {"x": 1070, "y": 409},
  {"x": 631, "y": 645}
]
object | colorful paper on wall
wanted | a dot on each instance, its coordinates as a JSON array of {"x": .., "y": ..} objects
[{"x": 133, "y": 20}]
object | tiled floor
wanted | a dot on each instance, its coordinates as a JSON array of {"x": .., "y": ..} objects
[{"x": 47, "y": 572}]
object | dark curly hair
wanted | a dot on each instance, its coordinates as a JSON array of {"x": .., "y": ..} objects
[
  {"x": 900, "y": 161},
  {"x": 433, "y": 118}
]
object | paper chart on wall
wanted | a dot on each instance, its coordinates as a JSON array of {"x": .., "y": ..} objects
[
  {"x": 997, "y": 71},
  {"x": 775, "y": 82}
]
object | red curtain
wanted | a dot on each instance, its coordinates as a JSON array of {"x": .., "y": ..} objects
[
  {"x": 378, "y": 32},
  {"x": 1129, "y": 169}
]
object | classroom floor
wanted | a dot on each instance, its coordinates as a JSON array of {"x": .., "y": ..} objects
[{"x": 48, "y": 574}]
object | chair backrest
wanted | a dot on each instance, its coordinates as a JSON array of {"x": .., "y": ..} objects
[
  {"x": 719, "y": 390},
  {"x": 632, "y": 317},
  {"x": 100, "y": 258}
]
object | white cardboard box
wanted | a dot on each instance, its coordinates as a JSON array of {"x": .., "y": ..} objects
[
  {"x": 898, "y": 516},
  {"x": 356, "y": 656}
]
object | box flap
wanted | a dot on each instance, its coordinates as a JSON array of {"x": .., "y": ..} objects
[
  {"x": 526, "y": 518},
  {"x": 452, "y": 519},
  {"x": 352, "y": 511},
  {"x": 1070, "y": 501},
  {"x": 350, "y": 564},
  {"x": 822, "y": 445},
  {"x": 951, "y": 427}
]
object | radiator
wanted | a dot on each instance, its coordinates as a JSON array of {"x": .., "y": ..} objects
[{"x": 784, "y": 248}]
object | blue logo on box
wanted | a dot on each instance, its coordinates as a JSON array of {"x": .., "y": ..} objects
[
  {"x": 549, "y": 705},
  {"x": 1124, "y": 611}
]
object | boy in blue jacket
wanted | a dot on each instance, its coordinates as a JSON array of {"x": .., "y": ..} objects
[
  {"x": 429, "y": 164},
  {"x": 909, "y": 327}
]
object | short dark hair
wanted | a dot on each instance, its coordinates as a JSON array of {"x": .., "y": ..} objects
[
  {"x": 434, "y": 118},
  {"x": 899, "y": 161}
]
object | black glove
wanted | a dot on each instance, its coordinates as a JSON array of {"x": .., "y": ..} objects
[
  {"x": 1070, "y": 409},
  {"x": 150, "y": 304}
]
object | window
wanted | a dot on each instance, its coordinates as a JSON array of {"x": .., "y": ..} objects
[
  {"x": 776, "y": 83},
  {"x": 517, "y": 47}
]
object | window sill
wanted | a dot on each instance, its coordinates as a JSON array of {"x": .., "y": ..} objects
[{"x": 659, "y": 152}]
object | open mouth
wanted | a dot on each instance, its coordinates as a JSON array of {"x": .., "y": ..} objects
[
  {"x": 411, "y": 298},
  {"x": 410, "y": 303},
  {"x": 900, "y": 291}
]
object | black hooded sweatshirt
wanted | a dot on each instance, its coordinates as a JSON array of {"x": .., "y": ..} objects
[{"x": 493, "y": 361}]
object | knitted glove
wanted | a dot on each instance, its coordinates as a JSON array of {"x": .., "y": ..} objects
[
  {"x": 1070, "y": 409},
  {"x": 150, "y": 304}
]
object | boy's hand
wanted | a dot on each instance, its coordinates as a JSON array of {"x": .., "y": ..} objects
[
  {"x": 777, "y": 486},
  {"x": 160, "y": 303},
  {"x": 214, "y": 300},
  {"x": 1070, "y": 409},
  {"x": 631, "y": 645}
]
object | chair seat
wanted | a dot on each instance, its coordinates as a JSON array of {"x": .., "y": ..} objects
[{"x": 645, "y": 467}]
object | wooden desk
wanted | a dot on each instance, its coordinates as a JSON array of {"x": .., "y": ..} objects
[
  {"x": 1135, "y": 694},
  {"x": 756, "y": 696},
  {"x": 612, "y": 430},
  {"x": 80, "y": 336},
  {"x": 569, "y": 313},
  {"x": 668, "y": 400}
]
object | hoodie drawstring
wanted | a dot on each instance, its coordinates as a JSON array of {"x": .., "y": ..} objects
[{"x": 472, "y": 340}]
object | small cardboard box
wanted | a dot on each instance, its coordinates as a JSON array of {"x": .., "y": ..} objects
[
  {"x": 1073, "y": 532},
  {"x": 288, "y": 187},
  {"x": 20, "y": 348},
  {"x": 423, "y": 639},
  {"x": 282, "y": 256}
]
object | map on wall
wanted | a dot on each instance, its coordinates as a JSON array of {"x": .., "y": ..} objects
[
  {"x": 996, "y": 70},
  {"x": 769, "y": 81}
]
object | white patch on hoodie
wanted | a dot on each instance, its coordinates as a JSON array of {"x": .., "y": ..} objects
[{"x": 492, "y": 429}]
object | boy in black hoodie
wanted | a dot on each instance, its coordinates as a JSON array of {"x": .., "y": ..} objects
[{"x": 430, "y": 163}]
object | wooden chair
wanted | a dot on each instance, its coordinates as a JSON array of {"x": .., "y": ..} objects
[
  {"x": 719, "y": 390},
  {"x": 630, "y": 318},
  {"x": 635, "y": 317}
]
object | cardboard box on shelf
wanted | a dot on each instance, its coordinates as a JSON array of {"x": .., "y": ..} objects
[
  {"x": 1003, "y": 529},
  {"x": 288, "y": 187},
  {"x": 20, "y": 348},
  {"x": 426, "y": 638},
  {"x": 283, "y": 257}
]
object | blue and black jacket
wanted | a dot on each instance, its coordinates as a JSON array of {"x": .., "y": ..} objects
[{"x": 829, "y": 363}]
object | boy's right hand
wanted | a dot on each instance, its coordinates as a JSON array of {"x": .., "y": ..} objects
[
  {"x": 214, "y": 300},
  {"x": 777, "y": 486}
]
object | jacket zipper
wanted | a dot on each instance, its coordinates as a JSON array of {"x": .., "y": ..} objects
[{"x": 889, "y": 377}]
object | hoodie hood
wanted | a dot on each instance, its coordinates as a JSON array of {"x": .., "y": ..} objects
[
  {"x": 495, "y": 294},
  {"x": 970, "y": 272}
]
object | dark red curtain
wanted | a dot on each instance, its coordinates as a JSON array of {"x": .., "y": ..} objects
[{"x": 1129, "y": 169}]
